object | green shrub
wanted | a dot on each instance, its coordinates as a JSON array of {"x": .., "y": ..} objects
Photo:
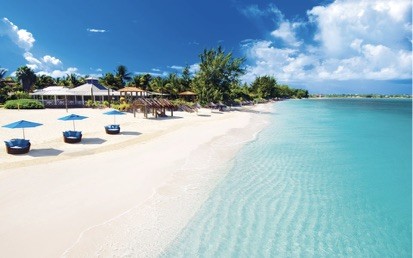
[
  {"x": 90, "y": 103},
  {"x": 124, "y": 107},
  {"x": 22, "y": 95},
  {"x": 23, "y": 104},
  {"x": 178, "y": 102}
]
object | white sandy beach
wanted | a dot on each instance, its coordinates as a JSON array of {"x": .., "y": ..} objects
[{"x": 112, "y": 195}]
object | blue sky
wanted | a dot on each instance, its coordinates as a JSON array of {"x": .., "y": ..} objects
[{"x": 325, "y": 46}]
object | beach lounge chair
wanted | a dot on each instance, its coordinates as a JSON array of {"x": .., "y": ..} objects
[
  {"x": 112, "y": 129},
  {"x": 17, "y": 146},
  {"x": 72, "y": 136}
]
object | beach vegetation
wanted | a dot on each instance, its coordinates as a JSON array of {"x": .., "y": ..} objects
[
  {"x": 141, "y": 80},
  {"x": 20, "y": 95},
  {"x": 44, "y": 81},
  {"x": 4, "y": 86},
  {"x": 122, "y": 74},
  {"x": 111, "y": 81},
  {"x": 180, "y": 102},
  {"x": 27, "y": 77},
  {"x": 266, "y": 87},
  {"x": 217, "y": 71},
  {"x": 23, "y": 104},
  {"x": 121, "y": 106},
  {"x": 90, "y": 103},
  {"x": 217, "y": 78}
]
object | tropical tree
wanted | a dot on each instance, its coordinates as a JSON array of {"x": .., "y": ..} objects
[
  {"x": 73, "y": 80},
  {"x": 141, "y": 80},
  {"x": 158, "y": 84},
  {"x": 145, "y": 81},
  {"x": 186, "y": 79},
  {"x": 217, "y": 72},
  {"x": 240, "y": 92},
  {"x": 173, "y": 85},
  {"x": 283, "y": 91},
  {"x": 111, "y": 81},
  {"x": 300, "y": 93},
  {"x": 3, "y": 72},
  {"x": 26, "y": 77},
  {"x": 264, "y": 87},
  {"x": 122, "y": 74},
  {"x": 3, "y": 85},
  {"x": 43, "y": 81}
]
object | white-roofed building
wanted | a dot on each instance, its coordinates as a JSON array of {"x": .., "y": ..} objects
[{"x": 59, "y": 96}]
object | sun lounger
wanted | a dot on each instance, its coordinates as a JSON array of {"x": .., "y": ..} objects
[
  {"x": 112, "y": 129},
  {"x": 72, "y": 136},
  {"x": 17, "y": 146}
]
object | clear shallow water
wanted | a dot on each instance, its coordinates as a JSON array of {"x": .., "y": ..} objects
[{"x": 326, "y": 178}]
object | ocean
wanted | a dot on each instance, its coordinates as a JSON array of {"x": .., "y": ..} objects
[{"x": 325, "y": 178}]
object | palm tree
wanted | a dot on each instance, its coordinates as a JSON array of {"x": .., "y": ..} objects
[
  {"x": 158, "y": 84},
  {"x": 111, "y": 81},
  {"x": 173, "y": 85},
  {"x": 3, "y": 86},
  {"x": 74, "y": 80},
  {"x": 3, "y": 72},
  {"x": 26, "y": 76},
  {"x": 122, "y": 74},
  {"x": 43, "y": 81}
]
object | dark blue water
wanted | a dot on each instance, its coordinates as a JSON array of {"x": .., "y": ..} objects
[{"x": 327, "y": 178}]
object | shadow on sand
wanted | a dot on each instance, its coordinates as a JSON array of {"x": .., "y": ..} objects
[
  {"x": 129, "y": 133},
  {"x": 92, "y": 141},
  {"x": 164, "y": 118},
  {"x": 44, "y": 152},
  {"x": 205, "y": 115}
]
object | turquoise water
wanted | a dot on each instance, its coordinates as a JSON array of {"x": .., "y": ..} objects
[{"x": 326, "y": 178}]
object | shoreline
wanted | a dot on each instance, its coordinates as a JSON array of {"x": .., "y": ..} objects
[{"x": 79, "y": 201}]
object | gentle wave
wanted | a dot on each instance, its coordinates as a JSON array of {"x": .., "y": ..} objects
[{"x": 170, "y": 207}]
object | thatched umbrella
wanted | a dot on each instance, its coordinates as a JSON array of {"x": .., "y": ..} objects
[
  {"x": 132, "y": 90},
  {"x": 189, "y": 94}
]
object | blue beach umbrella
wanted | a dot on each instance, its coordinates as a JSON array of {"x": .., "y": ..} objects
[
  {"x": 22, "y": 124},
  {"x": 114, "y": 113},
  {"x": 73, "y": 117}
]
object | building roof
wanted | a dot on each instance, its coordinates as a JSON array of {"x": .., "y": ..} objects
[
  {"x": 89, "y": 89},
  {"x": 52, "y": 91}
]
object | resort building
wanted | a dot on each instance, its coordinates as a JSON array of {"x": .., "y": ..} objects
[{"x": 61, "y": 96}]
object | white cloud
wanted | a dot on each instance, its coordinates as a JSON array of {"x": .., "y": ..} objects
[
  {"x": 21, "y": 37},
  {"x": 154, "y": 74},
  {"x": 96, "y": 30},
  {"x": 51, "y": 60},
  {"x": 254, "y": 11},
  {"x": 31, "y": 59},
  {"x": 354, "y": 40},
  {"x": 194, "y": 68},
  {"x": 59, "y": 73},
  {"x": 193, "y": 43},
  {"x": 176, "y": 67},
  {"x": 375, "y": 22},
  {"x": 286, "y": 32},
  {"x": 25, "y": 40}
]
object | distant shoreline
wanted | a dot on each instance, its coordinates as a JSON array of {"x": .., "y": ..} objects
[{"x": 360, "y": 96}]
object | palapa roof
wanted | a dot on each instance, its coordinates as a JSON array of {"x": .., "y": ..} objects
[
  {"x": 154, "y": 103},
  {"x": 131, "y": 89},
  {"x": 187, "y": 93}
]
